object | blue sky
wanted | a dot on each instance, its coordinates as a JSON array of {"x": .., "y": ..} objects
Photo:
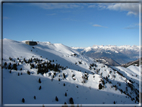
[{"x": 73, "y": 24}]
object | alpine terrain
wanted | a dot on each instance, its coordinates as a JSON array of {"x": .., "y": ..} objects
[{"x": 49, "y": 73}]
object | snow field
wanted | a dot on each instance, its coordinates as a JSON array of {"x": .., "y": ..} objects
[{"x": 81, "y": 82}]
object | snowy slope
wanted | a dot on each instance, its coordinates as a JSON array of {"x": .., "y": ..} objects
[{"x": 65, "y": 71}]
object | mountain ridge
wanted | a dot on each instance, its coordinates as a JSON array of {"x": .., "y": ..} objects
[{"x": 121, "y": 54}]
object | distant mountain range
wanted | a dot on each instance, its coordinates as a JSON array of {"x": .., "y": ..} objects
[{"x": 115, "y": 55}]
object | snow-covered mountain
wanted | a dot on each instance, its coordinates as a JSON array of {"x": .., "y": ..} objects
[
  {"x": 121, "y": 54},
  {"x": 49, "y": 73}
]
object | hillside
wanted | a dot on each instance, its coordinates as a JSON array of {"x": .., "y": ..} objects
[
  {"x": 56, "y": 74},
  {"x": 136, "y": 62},
  {"x": 107, "y": 61}
]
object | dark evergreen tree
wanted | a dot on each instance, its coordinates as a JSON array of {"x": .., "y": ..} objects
[
  {"x": 34, "y": 97},
  {"x": 28, "y": 72},
  {"x": 10, "y": 58},
  {"x": 64, "y": 84},
  {"x": 64, "y": 75},
  {"x": 100, "y": 86},
  {"x": 58, "y": 79},
  {"x": 40, "y": 88},
  {"x": 71, "y": 100},
  {"x": 9, "y": 66},
  {"x": 65, "y": 94},
  {"x": 23, "y": 100},
  {"x": 5, "y": 64},
  {"x": 15, "y": 66},
  {"x": 56, "y": 98},
  {"x": 39, "y": 80}
]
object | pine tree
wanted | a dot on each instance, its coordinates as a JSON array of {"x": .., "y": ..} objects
[
  {"x": 5, "y": 63},
  {"x": 65, "y": 94},
  {"x": 23, "y": 100},
  {"x": 28, "y": 72},
  {"x": 100, "y": 86},
  {"x": 34, "y": 97},
  {"x": 71, "y": 100},
  {"x": 39, "y": 80},
  {"x": 15, "y": 66},
  {"x": 64, "y": 84},
  {"x": 56, "y": 98},
  {"x": 58, "y": 79},
  {"x": 40, "y": 88},
  {"x": 64, "y": 75}
]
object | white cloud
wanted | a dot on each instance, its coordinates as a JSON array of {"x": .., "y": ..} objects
[
  {"x": 131, "y": 13},
  {"x": 133, "y": 26},
  {"x": 92, "y": 6},
  {"x": 56, "y": 5},
  {"x": 132, "y": 8},
  {"x": 96, "y": 25}
]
